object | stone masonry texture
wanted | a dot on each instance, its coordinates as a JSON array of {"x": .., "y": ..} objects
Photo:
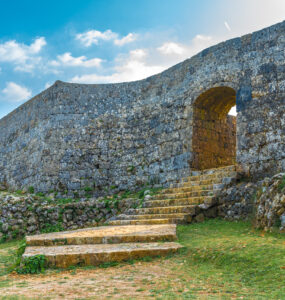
[{"x": 124, "y": 135}]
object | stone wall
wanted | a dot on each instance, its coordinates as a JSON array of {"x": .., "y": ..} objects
[
  {"x": 214, "y": 142},
  {"x": 30, "y": 214},
  {"x": 120, "y": 136},
  {"x": 261, "y": 202},
  {"x": 270, "y": 204}
]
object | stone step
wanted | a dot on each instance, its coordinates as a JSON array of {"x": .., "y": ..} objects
[
  {"x": 185, "y": 194},
  {"x": 151, "y": 216},
  {"x": 213, "y": 177},
  {"x": 197, "y": 188},
  {"x": 214, "y": 170},
  {"x": 175, "y": 202},
  {"x": 224, "y": 180},
  {"x": 186, "y": 209},
  {"x": 106, "y": 235},
  {"x": 147, "y": 221},
  {"x": 92, "y": 255},
  {"x": 197, "y": 183}
]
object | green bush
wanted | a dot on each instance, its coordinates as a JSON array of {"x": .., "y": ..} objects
[
  {"x": 47, "y": 228},
  {"x": 31, "y": 190},
  {"x": 32, "y": 265},
  {"x": 282, "y": 184}
]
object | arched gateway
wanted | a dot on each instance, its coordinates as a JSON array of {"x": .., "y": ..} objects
[
  {"x": 120, "y": 136},
  {"x": 214, "y": 131}
]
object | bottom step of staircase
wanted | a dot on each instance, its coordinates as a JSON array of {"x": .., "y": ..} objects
[{"x": 86, "y": 255}]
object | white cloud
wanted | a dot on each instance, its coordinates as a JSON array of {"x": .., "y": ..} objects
[
  {"x": 201, "y": 42},
  {"x": 15, "y": 93},
  {"x": 171, "y": 48},
  {"x": 125, "y": 40},
  {"x": 48, "y": 84},
  {"x": 142, "y": 63},
  {"x": 128, "y": 68},
  {"x": 227, "y": 26},
  {"x": 24, "y": 57},
  {"x": 91, "y": 37},
  {"x": 138, "y": 53},
  {"x": 37, "y": 45},
  {"x": 68, "y": 60},
  {"x": 171, "y": 53}
]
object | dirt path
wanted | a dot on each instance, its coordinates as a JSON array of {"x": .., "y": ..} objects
[{"x": 140, "y": 281}]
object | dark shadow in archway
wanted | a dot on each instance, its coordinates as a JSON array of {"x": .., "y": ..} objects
[{"x": 214, "y": 131}]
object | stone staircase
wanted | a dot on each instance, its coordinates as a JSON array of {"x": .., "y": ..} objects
[
  {"x": 179, "y": 203},
  {"x": 146, "y": 231},
  {"x": 94, "y": 246}
]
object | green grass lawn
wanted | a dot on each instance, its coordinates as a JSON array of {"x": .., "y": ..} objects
[
  {"x": 234, "y": 259},
  {"x": 221, "y": 260}
]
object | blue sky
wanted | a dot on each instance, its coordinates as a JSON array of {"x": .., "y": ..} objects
[{"x": 101, "y": 41}]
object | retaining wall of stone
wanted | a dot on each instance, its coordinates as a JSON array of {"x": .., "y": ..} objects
[{"x": 29, "y": 214}]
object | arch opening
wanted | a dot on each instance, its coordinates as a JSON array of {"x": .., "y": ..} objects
[{"x": 214, "y": 129}]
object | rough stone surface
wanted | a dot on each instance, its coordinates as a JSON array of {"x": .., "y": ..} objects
[
  {"x": 30, "y": 214},
  {"x": 236, "y": 201},
  {"x": 119, "y": 136},
  {"x": 190, "y": 200},
  {"x": 106, "y": 235},
  {"x": 94, "y": 246},
  {"x": 270, "y": 203},
  {"x": 84, "y": 255}
]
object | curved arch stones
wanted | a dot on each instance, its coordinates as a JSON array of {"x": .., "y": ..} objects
[{"x": 122, "y": 135}]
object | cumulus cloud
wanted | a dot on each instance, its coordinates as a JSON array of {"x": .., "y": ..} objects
[
  {"x": 15, "y": 93},
  {"x": 37, "y": 45},
  {"x": 48, "y": 84},
  {"x": 128, "y": 68},
  {"x": 141, "y": 63},
  {"x": 138, "y": 53},
  {"x": 170, "y": 53},
  {"x": 68, "y": 60},
  {"x": 171, "y": 48},
  {"x": 92, "y": 37},
  {"x": 24, "y": 57},
  {"x": 125, "y": 40}
]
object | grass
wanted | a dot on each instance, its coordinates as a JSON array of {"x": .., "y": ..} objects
[
  {"x": 221, "y": 260},
  {"x": 234, "y": 259},
  {"x": 8, "y": 256}
]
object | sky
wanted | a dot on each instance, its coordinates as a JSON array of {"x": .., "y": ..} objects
[{"x": 107, "y": 41}]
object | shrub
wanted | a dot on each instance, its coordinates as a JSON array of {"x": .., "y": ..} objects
[
  {"x": 282, "y": 184},
  {"x": 31, "y": 189},
  {"x": 47, "y": 228},
  {"x": 32, "y": 265}
]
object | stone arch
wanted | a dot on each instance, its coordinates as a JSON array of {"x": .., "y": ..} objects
[{"x": 214, "y": 131}]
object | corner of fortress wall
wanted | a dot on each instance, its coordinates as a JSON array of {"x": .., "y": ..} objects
[{"x": 122, "y": 136}]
